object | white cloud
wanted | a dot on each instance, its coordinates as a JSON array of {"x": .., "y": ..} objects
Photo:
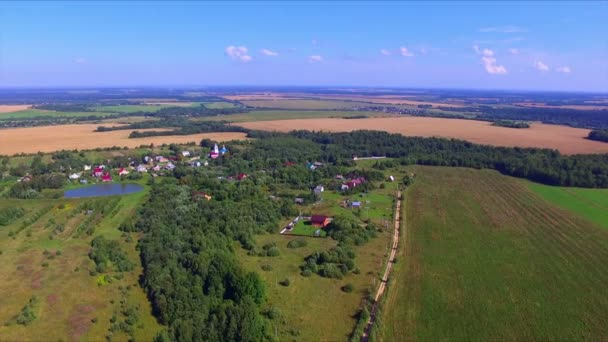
[
  {"x": 540, "y": 66},
  {"x": 80, "y": 60},
  {"x": 238, "y": 53},
  {"x": 503, "y": 29},
  {"x": 385, "y": 52},
  {"x": 564, "y": 69},
  {"x": 315, "y": 59},
  {"x": 267, "y": 52},
  {"x": 489, "y": 61},
  {"x": 405, "y": 52},
  {"x": 514, "y": 51}
]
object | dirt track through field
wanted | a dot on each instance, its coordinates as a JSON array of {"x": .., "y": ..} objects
[
  {"x": 82, "y": 137},
  {"x": 387, "y": 271},
  {"x": 567, "y": 140}
]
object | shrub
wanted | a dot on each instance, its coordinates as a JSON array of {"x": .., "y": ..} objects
[
  {"x": 273, "y": 312},
  {"x": 273, "y": 251},
  {"x": 297, "y": 243},
  {"x": 348, "y": 288},
  {"x": 306, "y": 273},
  {"x": 285, "y": 282},
  {"x": 267, "y": 267}
]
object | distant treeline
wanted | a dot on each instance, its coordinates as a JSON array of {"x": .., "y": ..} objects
[
  {"x": 598, "y": 135},
  {"x": 557, "y": 116},
  {"x": 511, "y": 124},
  {"x": 65, "y": 107},
  {"x": 181, "y": 127},
  {"x": 539, "y": 165}
]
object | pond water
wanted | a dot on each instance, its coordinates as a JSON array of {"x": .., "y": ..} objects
[{"x": 107, "y": 189}]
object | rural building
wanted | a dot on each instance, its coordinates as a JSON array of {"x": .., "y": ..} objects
[
  {"x": 185, "y": 153},
  {"x": 141, "y": 168},
  {"x": 74, "y": 176},
  {"x": 87, "y": 167},
  {"x": 98, "y": 171},
  {"x": 123, "y": 172},
  {"x": 318, "y": 189},
  {"x": 106, "y": 177},
  {"x": 170, "y": 166},
  {"x": 319, "y": 221},
  {"x": 356, "y": 204},
  {"x": 241, "y": 176},
  {"x": 201, "y": 195},
  {"x": 299, "y": 200},
  {"x": 391, "y": 178}
]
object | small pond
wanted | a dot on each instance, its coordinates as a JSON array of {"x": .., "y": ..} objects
[{"x": 107, "y": 189}]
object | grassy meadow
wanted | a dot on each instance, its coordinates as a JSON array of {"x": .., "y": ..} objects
[
  {"x": 589, "y": 203},
  {"x": 35, "y": 113},
  {"x": 303, "y": 104},
  {"x": 488, "y": 259},
  {"x": 44, "y": 254}
]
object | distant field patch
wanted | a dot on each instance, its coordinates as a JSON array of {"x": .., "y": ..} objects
[
  {"x": 48, "y": 139},
  {"x": 13, "y": 108},
  {"x": 589, "y": 203},
  {"x": 270, "y": 115},
  {"x": 131, "y": 108},
  {"x": 567, "y": 140},
  {"x": 218, "y": 105},
  {"x": 303, "y": 104},
  {"x": 34, "y": 113}
]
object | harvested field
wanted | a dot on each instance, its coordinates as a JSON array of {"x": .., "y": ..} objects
[
  {"x": 48, "y": 139},
  {"x": 13, "y": 108},
  {"x": 567, "y": 140}
]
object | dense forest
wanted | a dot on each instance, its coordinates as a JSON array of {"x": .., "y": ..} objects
[
  {"x": 540, "y": 165},
  {"x": 511, "y": 124},
  {"x": 191, "y": 274},
  {"x": 598, "y": 135}
]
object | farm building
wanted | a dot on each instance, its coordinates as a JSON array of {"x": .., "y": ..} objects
[
  {"x": 123, "y": 172},
  {"x": 141, "y": 168},
  {"x": 106, "y": 177},
  {"x": 185, "y": 153},
  {"x": 319, "y": 221},
  {"x": 318, "y": 189},
  {"x": 74, "y": 176},
  {"x": 356, "y": 204},
  {"x": 299, "y": 200}
]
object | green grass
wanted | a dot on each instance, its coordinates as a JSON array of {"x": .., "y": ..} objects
[
  {"x": 304, "y": 104},
  {"x": 589, "y": 203},
  {"x": 130, "y": 108},
  {"x": 34, "y": 113},
  {"x": 70, "y": 298},
  {"x": 305, "y": 227},
  {"x": 218, "y": 105},
  {"x": 488, "y": 259},
  {"x": 266, "y": 115}
]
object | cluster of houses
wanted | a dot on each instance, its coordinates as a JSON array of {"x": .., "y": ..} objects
[{"x": 352, "y": 183}]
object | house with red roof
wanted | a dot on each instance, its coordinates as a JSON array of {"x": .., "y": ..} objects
[
  {"x": 241, "y": 176},
  {"x": 97, "y": 171},
  {"x": 106, "y": 177},
  {"x": 320, "y": 221}
]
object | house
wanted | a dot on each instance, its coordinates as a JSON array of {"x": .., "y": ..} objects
[
  {"x": 241, "y": 176},
  {"x": 391, "y": 178},
  {"x": 344, "y": 187},
  {"x": 206, "y": 163},
  {"x": 186, "y": 154},
  {"x": 170, "y": 166},
  {"x": 201, "y": 195},
  {"x": 299, "y": 200},
  {"x": 123, "y": 172},
  {"x": 74, "y": 176},
  {"x": 25, "y": 178},
  {"x": 84, "y": 181},
  {"x": 339, "y": 177},
  {"x": 353, "y": 183},
  {"x": 318, "y": 189},
  {"x": 156, "y": 168},
  {"x": 215, "y": 153},
  {"x": 98, "y": 171},
  {"x": 106, "y": 177},
  {"x": 161, "y": 159},
  {"x": 87, "y": 167},
  {"x": 319, "y": 221},
  {"x": 142, "y": 168},
  {"x": 356, "y": 204},
  {"x": 223, "y": 150}
]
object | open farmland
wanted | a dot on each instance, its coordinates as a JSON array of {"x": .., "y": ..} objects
[
  {"x": 68, "y": 137},
  {"x": 567, "y": 140},
  {"x": 487, "y": 259},
  {"x": 13, "y": 108},
  {"x": 133, "y": 108},
  {"x": 35, "y": 113},
  {"x": 303, "y": 104},
  {"x": 270, "y": 115}
]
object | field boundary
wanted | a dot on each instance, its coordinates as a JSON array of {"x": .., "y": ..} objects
[{"x": 387, "y": 270}]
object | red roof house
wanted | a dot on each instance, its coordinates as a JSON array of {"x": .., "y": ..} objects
[
  {"x": 106, "y": 177},
  {"x": 241, "y": 176},
  {"x": 319, "y": 221}
]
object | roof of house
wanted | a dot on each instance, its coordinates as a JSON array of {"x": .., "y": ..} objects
[{"x": 318, "y": 219}]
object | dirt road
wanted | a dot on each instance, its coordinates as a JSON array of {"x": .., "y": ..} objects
[{"x": 387, "y": 271}]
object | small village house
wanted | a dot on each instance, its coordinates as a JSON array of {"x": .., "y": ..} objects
[{"x": 319, "y": 221}]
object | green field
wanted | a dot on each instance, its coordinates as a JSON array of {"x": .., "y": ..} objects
[
  {"x": 304, "y": 227},
  {"x": 218, "y": 105},
  {"x": 266, "y": 115},
  {"x": 72, "y": 303},
  {"x": 33, "y": 113},
  {"x": 488, "y": 259},
  {"x": 134, "y": 108},
  {"x": 589, "y": 203},
  {"x": 304, "y": 104}
]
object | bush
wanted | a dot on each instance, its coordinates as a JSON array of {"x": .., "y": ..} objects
[
  {"x": 267, "y": 267},
  {"x": 297, "y": 243},
  {"x": 273, "y": 252},
  {"x": 273, "y": 312},
  {"x": 306, "y": 273},
  {"x": 348, "y": 288},
  {"x": 285, "y": 282}
]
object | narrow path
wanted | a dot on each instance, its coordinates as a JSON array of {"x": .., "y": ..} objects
[{"x": 387, "y": 271}]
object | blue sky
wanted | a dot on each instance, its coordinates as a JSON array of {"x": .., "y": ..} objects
[{"x": 479, "y": 45}]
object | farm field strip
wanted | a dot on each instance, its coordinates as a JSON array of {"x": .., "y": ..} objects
[
  {"x": 488, "y": 259},
  {"x": 13, "y": 108},
  {"x": 567, "y": 140},
  {"x": 69, "y": 137}
]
